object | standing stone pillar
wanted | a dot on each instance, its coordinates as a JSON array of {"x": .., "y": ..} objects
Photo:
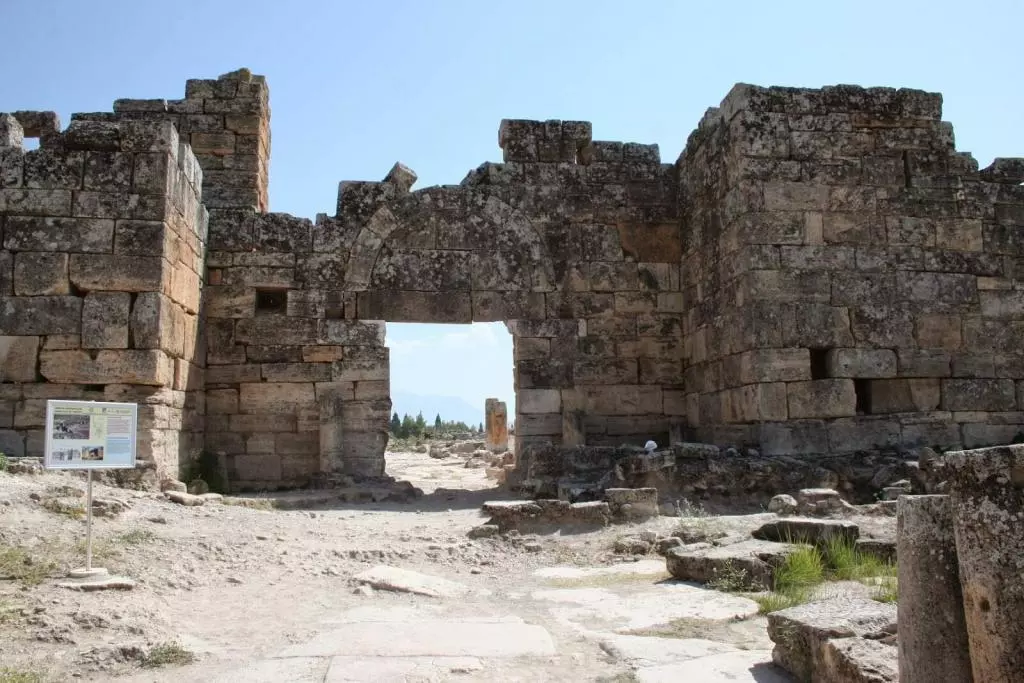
[
  {"x": 986, "y": 489},
  {"x": 332, "y": 459},
  {"x": 496, "y": 425},
  {"x": 932, "y": 633}
]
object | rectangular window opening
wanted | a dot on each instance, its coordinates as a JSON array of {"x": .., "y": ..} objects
[
  {"x": 819, "y": 363},
  {"x": 271, "y": 301},
  {"x": 862, "y": 388}
]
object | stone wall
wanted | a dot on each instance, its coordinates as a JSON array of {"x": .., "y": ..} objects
[
  {"x": 103, "y": 250},
  {"x": 851, "y": 280},
  {"x": 819, "y": 273}
]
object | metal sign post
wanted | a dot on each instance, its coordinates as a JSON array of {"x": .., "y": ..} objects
[{"x": 90, "y": 435}]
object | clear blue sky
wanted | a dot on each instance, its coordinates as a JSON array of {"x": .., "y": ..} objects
[{"x": 356, "y": 86}]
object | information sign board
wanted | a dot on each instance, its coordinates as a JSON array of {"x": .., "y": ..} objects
[{"x": 86, "y": 435}]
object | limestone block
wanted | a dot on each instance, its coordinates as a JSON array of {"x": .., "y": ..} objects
[
  {"x": 539, "y": 401},
  {"x": 275, "y": 397},
  {"x": 606, "y": 371},
  {"x": 372, "y": 390},
  {"x": 233, "y": 374},
  {"x": 938, "y": 332},
  {"x": 496, "y": 425},
  {"x": 12, "y": 443},
  {"x": 296, "y": 372},
  {"x": 863, "y": 433},
  {"x": 359, "y": 369},
  {"x": 221, "y": 401},
  {"x": 41, "y": 273},
  {"x": 978, "y": 394},
  {"x": 822, "y": 398},
  {"x": 497, "y": 306},
  {"x": 142, "y": 238},
  {"x": 662, "y": 372},
  {"x": 774, "y": 365},
  {"x": 256, "y": 467},
  {"x": 119, "y": 273},
  {"x": 861, "y": 363},
  {"x": 352, "y": 332},
  {"x": 232, "y": 301},
  {"x": 755, "y": 403},
  {"x": 539, "y": 424},
  {"x": 621, "y": 400},
  {"x": 904, "y": 395},
  {"x": 815, "y": 326},
  {"x": 152, "y": 367},
  {"x": 415, "y": 306},
  {"x": 86, "y": 235},
  {"x": 40, "y": 315},
  {"x": 18, "y": 357},
  {"x": 268, "y": 422},
  {"x": 322, "y": 354},
  {"x": 951, "y": 289},
  {"x": 306, "y": 443},
  {"x": 105, "y": 321},
  {"x": 924, "y": 363},
  {"x": 35, "y": 202},
  {"x": 277, "y": 329}
]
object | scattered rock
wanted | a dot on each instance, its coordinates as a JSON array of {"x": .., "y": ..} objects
[
  {"x": 665, "y": 544},
  {"x": 749, "y": 564},
  {"x": 631, "y": 545},
  {"x": 783, "y": 504},
  {"x": 388, "y": 578},
  {"x": 859, "y": 660},
  {"x": 102, "y": 583},
  {"x": 483, "y": 531},
  {"x": 822, "y": 502},
  {"x": 107, "y": 507},
  {"x": 183, "y": 498},
  {"x": 801, "y": 634},
  {"x": 198, "y": 487},
  {"x": 632, "y": 505},
  {"x": 801, "y": 530},
  {"x": 536, "y": 515},
  {"x": 173, "y": 485}
]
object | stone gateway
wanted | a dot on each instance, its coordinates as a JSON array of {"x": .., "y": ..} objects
[{"x": 820, "y": 272}]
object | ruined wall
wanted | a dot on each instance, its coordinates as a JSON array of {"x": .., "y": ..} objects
[
  {"x": 819, "y": 272},
  {"x": 103, "y": 246},
  {"x": 851, "y": 280}
]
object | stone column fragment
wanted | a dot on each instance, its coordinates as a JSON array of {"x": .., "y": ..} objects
[
  {"x": 931, "y": 607},
  {"x": 496, "y": 425},
  {"x": 986, "y": 488}
]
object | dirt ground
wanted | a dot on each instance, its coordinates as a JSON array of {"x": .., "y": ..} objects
[{"x": 230, "y": 585}]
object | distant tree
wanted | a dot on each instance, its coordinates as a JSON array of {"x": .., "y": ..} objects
[
  {"x": 396, "y": 424},
  {"x": 408, "y": 427},
  {"x": 419, "y": 424},
  {"x": 437, "y": 422},
  {"x": 481, "y": 428}
]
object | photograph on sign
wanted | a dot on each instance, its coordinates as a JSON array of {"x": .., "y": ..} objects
[{"x": 90, "y": 434}]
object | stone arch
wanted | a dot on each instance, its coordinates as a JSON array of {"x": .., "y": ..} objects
[{"x": 470, "y": 256}]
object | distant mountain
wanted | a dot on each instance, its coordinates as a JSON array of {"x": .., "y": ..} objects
[{"x": 449, "y": 407}]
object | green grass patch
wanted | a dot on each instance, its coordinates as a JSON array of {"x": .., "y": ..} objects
[
  {"x": 9, "y": 675},
  {"x": 168, "y": 654},
  {"x": 31, "y": 569},
  {"x": 60, "y": 507},
  {"x": 135, "y": 537}
]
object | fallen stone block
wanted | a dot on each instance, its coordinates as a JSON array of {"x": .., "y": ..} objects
[
  {"x": 802, "y": 530},
  {"x": 823, "y": 502},
  {"x": 783, "y": 504},
  {"x": 632, "y": 505},
  {"x": 184, "y": 498},
  {"x": 750, "y": 564},
  {"x": 484, "y": 531},
  {"x": 383, "y": 577},
  {"x": 532, "y": 515},
  {"x": 859, "y": 660},
  {"x": 801, "y": 633}
]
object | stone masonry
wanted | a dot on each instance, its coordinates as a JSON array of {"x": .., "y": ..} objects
[{"x": 820, "y": 272}]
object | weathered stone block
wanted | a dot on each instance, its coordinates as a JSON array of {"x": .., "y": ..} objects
[
  {"x": 152, "y": 367},
  {"x": 18, "y": 356},
  {"x": 352, "y": 332},
  {"x": 222, "y": 401},
  {"x": 105, "y": 321},
  {"x": 275, "y": 397},
  {"x": 904, "y": 395},
  {"x": 774, "y": 365},
  {"x": 822, "y": 398},
  {"x": 978, "y": 394},
  {"x": 41, "y": 273},
  {"x": 539, "y": 401},
  {"x": 117, "y": 273},
  {"x": 40, "y": 315},
  {"x": 27, "y": 233},
  {"x": 415, "y": 306},
  {"x": 861, "y": 363},
  {"x": 277, "y": 329},
  {"x": 296, "y": 372}
]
